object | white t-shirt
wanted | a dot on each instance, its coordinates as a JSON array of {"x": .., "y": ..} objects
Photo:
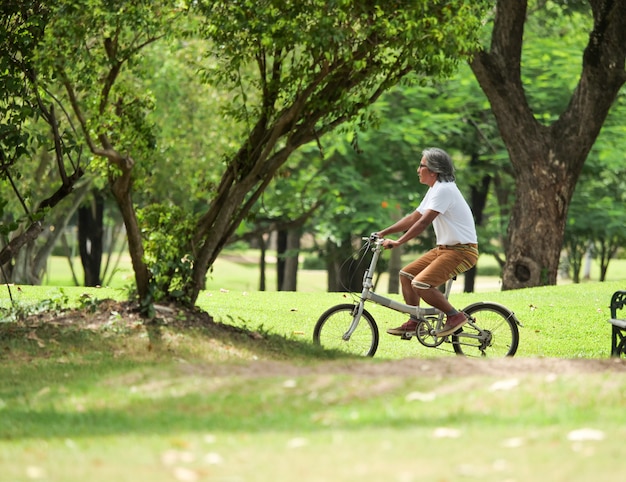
[{"x": 455, "y": 223}]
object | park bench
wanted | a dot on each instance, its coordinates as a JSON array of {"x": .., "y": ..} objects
[{"x": 618, "y": 336}]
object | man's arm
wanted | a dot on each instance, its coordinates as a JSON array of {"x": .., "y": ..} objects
[
  {"x": 403, "y": 225},
  {"x": 419, "y": 224}
]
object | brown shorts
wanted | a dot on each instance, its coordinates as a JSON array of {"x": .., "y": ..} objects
[{"x": 438, "y": 265}]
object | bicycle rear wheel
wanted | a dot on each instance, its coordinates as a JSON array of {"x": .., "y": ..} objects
[
  {"x": 334, "y": 323},
  {"x": 491, "y": 332}
]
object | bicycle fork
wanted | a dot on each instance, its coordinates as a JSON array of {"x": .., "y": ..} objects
[{"x": 356, "y": 316}]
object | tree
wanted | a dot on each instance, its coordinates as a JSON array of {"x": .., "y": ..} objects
[
  {"x": 547, "y": 159},
  {"x": 366, "y": 178},
  {"x": 296, "y": 71},
  {"x": 318, "y": 64},
  {"x": 90, "y": 237},
  {"x": 377, "y": 167},
  {"x": 596, "y": 218},
  {"x": 88, "y": 53},
  {"x": 285, "y": 208},
  {"x": 373, "y": 180},
  {"x": 23, "y": 101},
  {"x": 578, "y": 234}
]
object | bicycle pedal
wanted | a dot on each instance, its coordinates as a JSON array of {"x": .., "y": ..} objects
[{"x": 406, "y": 336}]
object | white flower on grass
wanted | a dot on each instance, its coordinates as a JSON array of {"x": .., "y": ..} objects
[
  {"x": 585, "y": 434},
  {"x": 421, "y": 397},
  {"x": 509, "y": 384},
  {"x": 33, "y": 472},
  {"x": 513, "y": 442},
  {"x": 500, "y": 465},
  {"x": 169, "y": 457},
  {"x": 213, "y": 458},
  {"x": 185, "y": 475},
  {"x": 70, "y": 444},
  {"x": 289, "y": 383},
  {"x": 172, "y": 457},
  {"x": 297, "y": 442},
  {"x": 445, "y": 432},
  {"x": 186, "y": 457}
]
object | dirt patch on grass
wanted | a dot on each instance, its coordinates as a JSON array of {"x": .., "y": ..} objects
[
  {"x": 123, "y": 314},
  {"x": 420, "y": 367}
]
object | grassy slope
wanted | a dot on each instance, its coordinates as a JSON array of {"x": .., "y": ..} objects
[
  {"x": 112, "y": 404},
  {"x": 561, "y": 321},
  {"x": 238, "y": 270}
]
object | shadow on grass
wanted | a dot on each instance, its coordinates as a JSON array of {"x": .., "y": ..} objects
[
  {"x": 60, "y": 379},
  {"x": 198, "y": 413}
]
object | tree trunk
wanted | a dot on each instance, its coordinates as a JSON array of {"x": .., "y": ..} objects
[
  {"x": 537, "y": 222},
  {"x": 588, "y": 259},
  {"x": 262, "y": 262},
  {"x": 290, "y": 266},
  {"x": 281, "y": 249},
  {"x": 395, "y": 265},
  {"x": 547, "y": 160},
  {"x": 30, "y": 265},
  {"x": 121, "y": 187},
  {"x": 469, "y": 280},
  {"x": 395, "y": 260},
  {"x": 31, "y": 260},
  {"x": 345, "y": 273},
  {"x": 478, "y": 201},
  {"x": 606, "y": 248},
  {"x": 90, "y": 232}
]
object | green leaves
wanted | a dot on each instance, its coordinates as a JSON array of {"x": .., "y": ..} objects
[
  {"x": 335, "y": 53},
  {"x": 167, "y": 232},
  {"x": 596, "y": 215}
]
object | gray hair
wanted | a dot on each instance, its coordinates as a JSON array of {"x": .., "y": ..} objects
[{"x": 440, "y": 162}]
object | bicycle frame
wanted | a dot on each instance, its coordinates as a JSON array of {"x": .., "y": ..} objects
[
  {"x": 369, "y": 295},
  {"x": 490, "y": 327}
]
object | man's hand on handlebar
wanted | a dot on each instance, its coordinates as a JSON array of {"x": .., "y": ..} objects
[
  {"x": 390, "y": 243},
  {"x": 387, "y": 243}
]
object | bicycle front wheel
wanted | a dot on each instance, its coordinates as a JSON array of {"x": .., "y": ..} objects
[
  {"x": 492, "y": 331},
  {"x": 332, "y": 326}
]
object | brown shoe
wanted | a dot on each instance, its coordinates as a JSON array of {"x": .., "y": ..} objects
[
  {"x": 453, "y": 323},
  {"x": 408, "y": 327}
]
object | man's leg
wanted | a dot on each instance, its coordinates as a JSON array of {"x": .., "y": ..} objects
[
  {"x": 410, "y": 295},
  {"x": 408, "y": 274},
  {"x": 434, "y": 297},
  {"x": 447, "y": 263}
]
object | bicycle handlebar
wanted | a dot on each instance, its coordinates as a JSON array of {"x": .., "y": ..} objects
[{"x": 373, "y": 238}]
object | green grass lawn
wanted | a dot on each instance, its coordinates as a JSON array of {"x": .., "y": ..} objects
[
  {"x": 560, "y": 321},
  {"x": 566, "y": 321},
  {"x": 239, "y": 271},
  {"x": 113, "y": 403}
]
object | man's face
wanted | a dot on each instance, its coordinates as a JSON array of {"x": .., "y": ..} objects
[{"x": 426, "y": 175}]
